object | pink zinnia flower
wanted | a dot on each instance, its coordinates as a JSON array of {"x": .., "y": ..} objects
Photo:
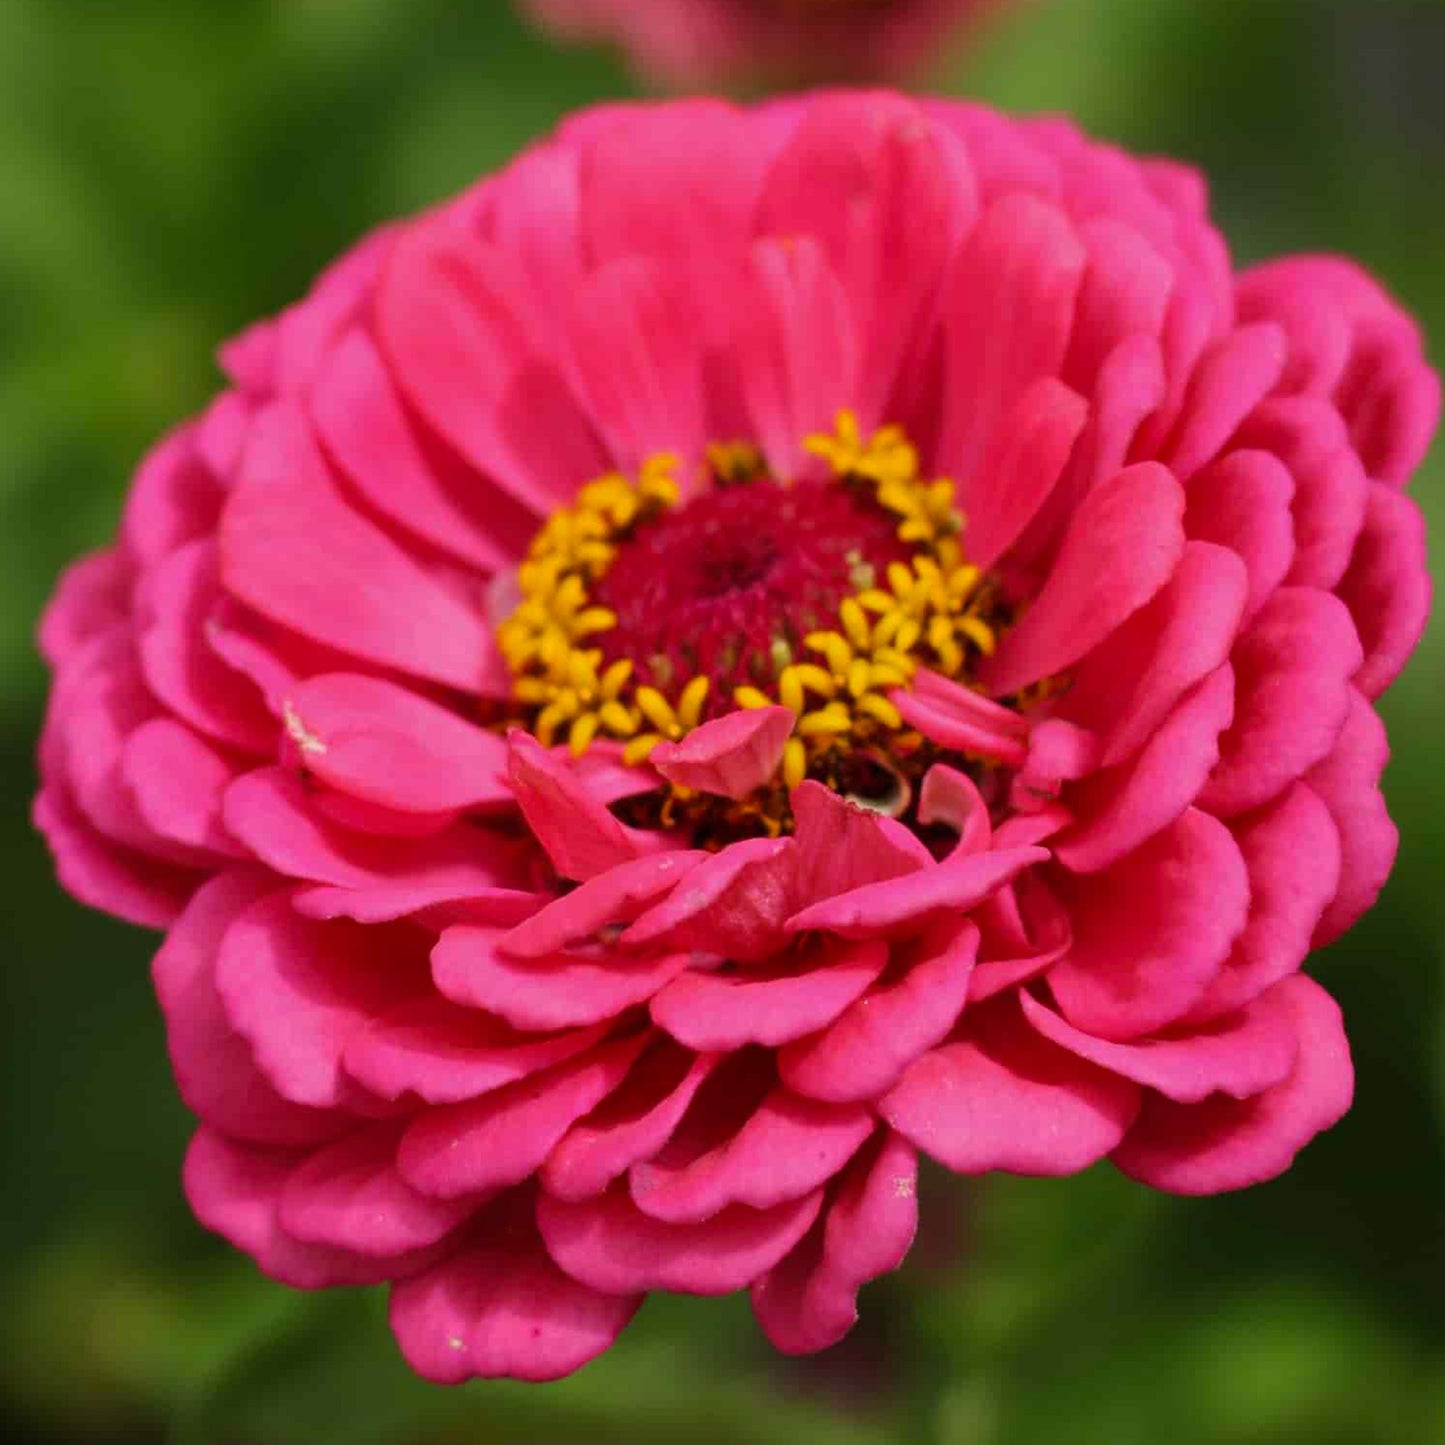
[
  {"x": 686, "y": 44},
  {"x": 748, "y": 645}
]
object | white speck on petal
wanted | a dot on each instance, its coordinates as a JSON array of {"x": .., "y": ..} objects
[{"x": 297, "y": 731}]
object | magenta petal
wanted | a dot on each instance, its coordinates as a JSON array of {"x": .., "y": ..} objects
[
  {"x": 503, "y": 1137},
  {"x": 235, "y": 1190},
  {"x": 401, "y": 472},
  {"x": 1124, "y": 543},
  {"x": 616, "y": 896},
  {"x": 500, "y": 1309},
  {"x": 1235, "y": 374},
  {"x": 299, "y": 990},
  {"x": 269, "y": 810},
  {"x": 1243, "y": 502},
  {"x": 1027, "y": 457},
  {"x": 1151, "y": 933},
  {"x": 444, "y": 1053},
  {"x": 734, "y": 904},
  {"x": 730, "y": 756},
  {"x": 293, "y": 550},
  {"x": 349, "y": 1195},
  {"x": 1348, "y": 782},
  {"x": 387, "y": 745},
  {"x": 842, "y": 846},
  {"x": 1004, "y": 1098},
  {"x": 910, "y": 903},
  {"x": 1387, "y": 587},
  {"x": 92, "y": 595},
  {"x": 786, "y": 1149},
  {"x": 1009, "y": 312},
  {"x": 178, "y": 782},
  {"x": 214, "y": 1067},
  {"x": 810, "y": 1300},
  {"x": 560, "y": 991},
  {"x": 864, "y": 1052},
  {"x": 1228, "y": 1143},
  {"x": 1292, "y": 852},
  {"x": 1120, "y": 809},
  {"x": 632, "y": 1124},
  {"x": 1292, "y": 672},
  {"x": 1241, "y": 1054},
  {"x": 728, "y": 1010},
  {"x": 581, "y": 837},
  {"x": 610, "y": 1244}
]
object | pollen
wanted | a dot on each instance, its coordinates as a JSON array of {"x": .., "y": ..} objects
[{"x": 647, "y": 607}]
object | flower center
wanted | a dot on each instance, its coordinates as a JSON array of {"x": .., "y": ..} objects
[{"x": 642, "y": 616}]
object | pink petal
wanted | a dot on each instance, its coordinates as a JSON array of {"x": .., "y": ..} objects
[
  {"x": 842, "y": 846},
  {"x": 1151, "y": 932},
  {"x": 1228, "y": 1143},
  {"x": 293, "y": 550},
  {"x": 500, "y": 1309},
  {"x": 1240, "y": 1054},
  {"x": 810, "y": 1300},
  {"x": 728, "y": 1010},
  {"x": 1118, "y": 810},
  {"x": 298, "y": 990},
  {"x": 581, "y": 837},
  {"x": 1238, "y": 372},
  {"x": 616, "y": 896},
  {"x": 1123, "y": 546},
  {"x": 450, "y": 333},
  {"x": 1348, "y": 783},
  {"x": 1024, "y": 463},
  {"x": 215, "y": 1070},
  {"x": 734, "y": 904},
  {"x": 1243, "y": 502},
  {"x": 1126, "y": 689},
  {"x": 93, "y": 595},
  {"x": 1009, "y": 311},
  {"x": 1004, "y": 1098},
  {"x": 909, "y": 904},
  {"x": 796, "y": 348},
  {"x": 730, "y": 756},
  {"x": 444, "y": 1053},
  {"x": 784, "y": 1151},
  {"x": 175, "y": 607},
  {"x": 178, "y": 782},
  {"x": 1309, "y": 437},
  {"x": 563, "y": 990},
  {"x": 1387, "y": 587},
  {"x": 387, "y": 745},
  {"x": 235, "y": 1190},
  {"x": 349, "y": 1195},
  {"x": 1292, "y": 673},
  {"x": 610, "y": 1244},
  {"x": 174, "y": 498},
  {"x": 503, "y": 1137},
  {"x": 1292, "y": 851},
  {"x": 402, "y": 472},
  {"x": 863, "y": 1053}
]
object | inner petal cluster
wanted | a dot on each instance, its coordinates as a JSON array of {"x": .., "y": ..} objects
[{"x": 645, "y": 613}]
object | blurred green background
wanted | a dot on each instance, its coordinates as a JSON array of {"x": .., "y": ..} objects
[{"x": 170, "y": 169}]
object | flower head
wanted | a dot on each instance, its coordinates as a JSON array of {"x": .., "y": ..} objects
[
  {"x": 689, "y": 44},
  {"x": 751, "y": 644}
]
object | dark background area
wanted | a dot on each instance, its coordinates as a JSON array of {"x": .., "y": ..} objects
[{"x": 171, "y": 169}]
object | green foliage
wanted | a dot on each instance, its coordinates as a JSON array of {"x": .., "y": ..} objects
[{"x": 173, "y": 168}]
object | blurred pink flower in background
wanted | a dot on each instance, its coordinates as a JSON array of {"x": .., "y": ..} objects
[
  {"x": 751, "y": 644},
  {"x": 698, "y": 44}
]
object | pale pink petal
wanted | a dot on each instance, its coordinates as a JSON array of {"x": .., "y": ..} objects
[{"x": 730, "y": 756}]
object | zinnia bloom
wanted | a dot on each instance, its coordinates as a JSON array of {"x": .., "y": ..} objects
[
  {"x": 752, "y": 644},
  {"x": 689, "y": 44}
]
